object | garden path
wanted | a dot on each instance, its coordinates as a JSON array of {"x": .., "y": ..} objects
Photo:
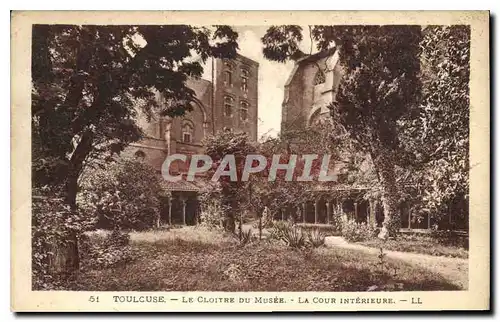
[{"x": 454, "y": 270}]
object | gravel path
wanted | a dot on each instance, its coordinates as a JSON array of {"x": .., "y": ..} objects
[{"x": 455, "y": 270}]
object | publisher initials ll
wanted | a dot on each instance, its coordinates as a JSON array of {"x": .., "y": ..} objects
[{"x": 415, "y": 300}]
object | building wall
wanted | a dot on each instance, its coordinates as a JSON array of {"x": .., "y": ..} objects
[
  {"x": 303, "y": 99},
  {"x": 234, "y": 89}
]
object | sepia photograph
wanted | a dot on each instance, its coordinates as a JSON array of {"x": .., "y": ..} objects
[{"x": 328, "y": 157}]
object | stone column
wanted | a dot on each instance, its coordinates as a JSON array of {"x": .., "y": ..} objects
[
  {"x": 205, "y": 127},
  {"x": 371, "y": 212},
  {"x": 184, "y": 204},
  {"x": 316, "y": 211},
  {"x": 355, "y": 211},
  {"x": 341, "y": 210},
  {"x": 409, "y": 217},
  {"x": 198, "y": 210},
  {"x": 169, "y": 212},
  {"x": 328, "y": 212},
  {"x": 304, "y": 208}
]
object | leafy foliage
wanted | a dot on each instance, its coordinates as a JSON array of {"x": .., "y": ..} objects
[
  {"x": 123, "y": 195},
  {"x": 403, "y": 101},
  {"x": 90, "y": 81},
  {"x": 212, "y": 214},
  {"x": 281, "y": 43},
  {"x": 98, "y": 253},
  {"x": 246, "y": 237},
  {"x": 354, "y": 231},
  {"x": 282, "y": 195},
  {"x": 233, "y": 195},
  {"x": 54, "y": 226},
  {"x": 292, "y": 235},
  {"x": 437, "y": 134},
  {"x": 315, "y": 238}
]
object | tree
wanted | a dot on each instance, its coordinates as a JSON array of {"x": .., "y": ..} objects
[
  {"x": 233, "y": 194},
  {"x": 437, "y": 132},
  {"x": 89, "y": 82},
  {"x": 282, "y": 195},
  {"x": 122, "y": 195},
  {"x": 380, "y": 85}
]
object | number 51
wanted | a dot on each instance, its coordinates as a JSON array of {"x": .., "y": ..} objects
[{"x": 94, "y": 299}]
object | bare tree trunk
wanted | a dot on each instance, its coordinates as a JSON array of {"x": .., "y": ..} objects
[{"x": 384, "y": 165}]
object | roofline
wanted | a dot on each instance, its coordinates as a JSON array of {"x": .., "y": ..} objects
[
  {"x": 317, "y": 55},
  {"x": 240, "y": 56},
  {"x": 197, "y": 79}
]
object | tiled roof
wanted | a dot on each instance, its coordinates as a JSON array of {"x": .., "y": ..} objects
[{"x": 183, "y": 185}]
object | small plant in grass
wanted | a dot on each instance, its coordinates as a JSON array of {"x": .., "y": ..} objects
[
  {"x": 278, "y": 229},
  {"x": 291, "y": 235},
  {"x": 212, "y": 215},
  {"x": 315, "y": 238},
  {"x": 246, "y": 237},
  {"x": 295, "y": 237},
  {"x": 385, "y": 273}
]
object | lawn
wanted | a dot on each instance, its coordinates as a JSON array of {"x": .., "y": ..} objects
[
  {"x": 428, "y": 245},
  {"x": 196, "y": 259}
]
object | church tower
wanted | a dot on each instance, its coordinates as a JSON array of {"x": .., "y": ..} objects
[{"x": 236, "y": 95}]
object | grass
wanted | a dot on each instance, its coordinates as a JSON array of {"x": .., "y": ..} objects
[
  {"x": 423, "y": 245},
  {"x": 196, "y": 259}
]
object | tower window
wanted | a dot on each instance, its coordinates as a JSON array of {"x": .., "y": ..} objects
[
  {"x": 187, "y": 132},
  {"x": 244, "y": 111},
  {"x": 139, "y": 154},
  {"x": 228, "y": 74},
  {"x": 228, "y": 106},
  {"x": 244, "y": 80},
  {"x": 319, "y": 78},
  {"x": 228, "y": 78}
]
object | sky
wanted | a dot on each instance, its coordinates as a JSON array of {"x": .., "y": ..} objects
[{"x": 272, "y": 76}]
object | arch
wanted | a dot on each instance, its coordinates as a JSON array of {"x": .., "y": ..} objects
[
  {"x": 187, "y": 130},
  {"x": 228, "y": 105},
  {"x": 202, "y": 108},
  {"x": 245, "y": 76},
  {"x": 228, "y": 65},
  {"x": 319, "y": 78},
  {"x": 244, "y": 107},
  {"x": 314, "y": 112},
  {"x": 140, "y": 154},
  {"x": 227, "y": 73}
]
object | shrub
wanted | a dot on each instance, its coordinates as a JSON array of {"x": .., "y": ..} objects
[
  {"x": 105, "y": 251},
  {"x": 55, "y": 231},
  {"x": 246, "y": 236},
  {"x": 315, "y": 238},
  {"x": 212, "y": 215},
  {"x": 124, "y": 195},
  {"x": 278, "y": 228},
  {"x": 354, "y": 231},
  {"x": 291, "y": 235},
  {"x": 267, "y": 218}
]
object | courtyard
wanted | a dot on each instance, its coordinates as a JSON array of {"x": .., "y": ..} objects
[{"x": 198, "y": 259}]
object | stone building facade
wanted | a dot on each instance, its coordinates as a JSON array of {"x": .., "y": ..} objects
[{"x": 229, "y": 100}]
